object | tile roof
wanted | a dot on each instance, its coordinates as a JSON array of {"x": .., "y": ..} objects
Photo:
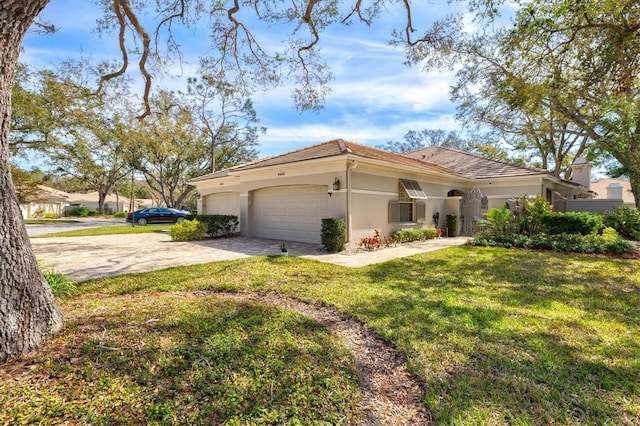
[
  {"x": 92, "y": 197},
  {"x": 333, "y": 148},
  {"x": 214, "y": 175},
  {"x": 47, "y": 190},
  {"x": 472, "y": 166},
  {"x": 600, "y": 188}
]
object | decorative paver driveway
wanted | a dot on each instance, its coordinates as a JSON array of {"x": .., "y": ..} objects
[{"x": 83, "y": 258}]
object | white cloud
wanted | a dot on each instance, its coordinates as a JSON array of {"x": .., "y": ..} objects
[{"x": 374, "y": 97}]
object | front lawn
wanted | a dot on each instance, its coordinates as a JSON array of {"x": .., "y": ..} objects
[
  {"x": 109, "y": 230},
  {"x": 498, "y": 336}
]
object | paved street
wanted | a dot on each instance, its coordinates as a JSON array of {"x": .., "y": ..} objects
[{"x": 80, "y": 223}]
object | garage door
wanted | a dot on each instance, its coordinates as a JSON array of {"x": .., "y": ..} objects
[
  {"x": 291, "y": 213},
  {"x": 223, "y": 203}
]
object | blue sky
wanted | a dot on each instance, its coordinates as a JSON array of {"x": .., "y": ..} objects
[{"x": 374, "y": 97}]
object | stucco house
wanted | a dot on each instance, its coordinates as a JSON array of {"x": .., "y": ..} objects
[
  {"x": 112, "y": 203},
  {"x": 610, "y": 188},
  {"x": 49, "y": 201},
  {"x": 284, "y": 197}
]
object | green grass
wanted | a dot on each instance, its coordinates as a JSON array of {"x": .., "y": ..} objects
[
  {"x": 498, "y": 337},
  {"x": 182, "y": 358},
  {"x": 109, "y": 230},
  {"x": 48, "y": 221},
  {"x": 61, "y": 285}
]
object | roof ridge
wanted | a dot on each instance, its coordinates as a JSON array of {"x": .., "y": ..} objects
[
  {"x": 479, "y": 156},
  {"x": 403, "y": 157},
  {"x": 339, "y": 142}
]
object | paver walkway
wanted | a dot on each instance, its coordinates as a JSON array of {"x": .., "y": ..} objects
[{"x": 83, "y": 258}]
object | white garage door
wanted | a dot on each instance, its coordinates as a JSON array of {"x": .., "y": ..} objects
[
  {"x": 291, "y": 213},
  {"x": 223, "y": 203}
]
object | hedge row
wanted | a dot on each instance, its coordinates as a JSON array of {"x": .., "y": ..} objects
[
  {"x": 608, "y": 242},
  {"x": 572, "y": 223},
  {"x": 407, "y": 235}
]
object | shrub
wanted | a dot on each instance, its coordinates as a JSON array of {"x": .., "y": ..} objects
[
  {"x": 572, "y": 223},
  {"x": 50, "y": 215},
  {"x": 452, "y": 225},
  {"x": 407, "y": 235},
  {"x": 607, "y": 243},
  {"x": 120, "y": 215},
  {"x": 218, "y": 225},
  {"x": 498, "y": 221},
  {"x": 625, "y": 221},
  {"x": 79, "y": 211},
  {"x": 93, "y": 212},
  {"x": 189, "y": 230},
  {"x": 529, "y": 217},
  {"x": 333, "y": 234},
  {"x": 610, "y": 234}
]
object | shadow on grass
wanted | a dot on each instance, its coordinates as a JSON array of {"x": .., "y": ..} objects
[
  {"x": 514, "y": 336},
  {"x": 184, "y": 359}
]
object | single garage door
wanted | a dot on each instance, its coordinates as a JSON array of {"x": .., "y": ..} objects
[
  {"x": 292, "y": 213},
  {"x": 223, "y": 203}
]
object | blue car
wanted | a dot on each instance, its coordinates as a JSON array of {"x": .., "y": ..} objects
[{"x": 158, "y": 215}]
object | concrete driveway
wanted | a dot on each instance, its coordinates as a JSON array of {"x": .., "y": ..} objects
[{"x": 82, "y": 258}]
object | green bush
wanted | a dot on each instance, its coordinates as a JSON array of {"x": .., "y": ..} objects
[
  {"x": 498, "y": 221},
  {"x": 625, "y": 220},
  {"x": 218, "y": 225},
  {"x": 50, "y": 215},
  {"x": 452, "y": 225},
  {"x": 407, "y": 235},
  {"x": 529, "y": 217},
  {"x": 79, "y": 211},
  {"x": 333, "y": 234},
  {"x": 572, "y": 223},
  {"x": 189, "y": 230},
  {"x": 606, "y": 243},
  {"x": 120, "y": 215}
]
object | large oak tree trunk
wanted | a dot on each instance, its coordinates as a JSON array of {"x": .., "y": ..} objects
[{"x": 28, "y": 311}]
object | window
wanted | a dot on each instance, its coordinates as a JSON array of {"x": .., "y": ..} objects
[{"x": 409, "y": 208}]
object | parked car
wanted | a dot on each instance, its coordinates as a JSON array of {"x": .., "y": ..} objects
[{"x": 158, "y": 215}]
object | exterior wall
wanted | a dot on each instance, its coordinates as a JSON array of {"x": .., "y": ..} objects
[
  {"x": 323, "y": 174},
  {"x": 365, "y": 190},
  {"x": 372, "y": 190},
  {"x": 228, "y": 207},
  {"x": 39, "y": 208},
  {"x": 582, "y": 205}
]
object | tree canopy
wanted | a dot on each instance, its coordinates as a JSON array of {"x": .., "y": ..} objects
[{"x": 561, "y": 83}]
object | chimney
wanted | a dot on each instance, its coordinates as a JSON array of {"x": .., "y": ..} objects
[
  {"x": 614, "y": 191},
  {"x": 581, "y": 172}
]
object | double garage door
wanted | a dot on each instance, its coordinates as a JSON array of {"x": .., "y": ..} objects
[{"x": 292, "y": 213}]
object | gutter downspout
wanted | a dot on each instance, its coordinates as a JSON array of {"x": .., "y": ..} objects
[{"x": 353, "y": 165}]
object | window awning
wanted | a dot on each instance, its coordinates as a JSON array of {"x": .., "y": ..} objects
[{"x": 413, "y": 189}]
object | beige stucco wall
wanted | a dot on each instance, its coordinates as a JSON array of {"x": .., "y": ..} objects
[
  {"x": 591, "y": 206},
  {"x": 366, "y": 189},
  {"x": 373, "y": 188}
]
